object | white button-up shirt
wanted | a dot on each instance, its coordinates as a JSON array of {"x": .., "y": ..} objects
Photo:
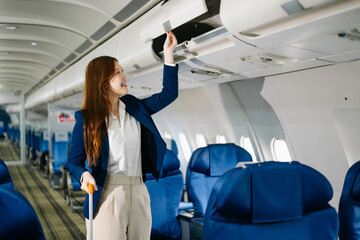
[{"x": 124, "y": 144}]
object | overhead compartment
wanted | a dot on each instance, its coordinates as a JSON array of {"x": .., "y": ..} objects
[
  {"x": 297, "y": 18},
  {"x": 135, "y": 52},
  {"x": 293, "y": 34}
]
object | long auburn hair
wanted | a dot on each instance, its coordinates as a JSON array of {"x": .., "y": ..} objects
[{"x": 96, "y": 105}]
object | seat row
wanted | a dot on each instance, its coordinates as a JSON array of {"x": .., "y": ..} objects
[
  {"x": 237, "y": 199},
  {"x": 231, "y": 196}
]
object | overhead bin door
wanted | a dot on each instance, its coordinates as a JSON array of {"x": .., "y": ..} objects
[{"x": 135, "y": 51}]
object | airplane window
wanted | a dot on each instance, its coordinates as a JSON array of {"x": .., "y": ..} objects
[
  {"x": 167, "y": 135},
  {"x": 280, "y": 150},
  {"x": 220, "y": 139},
  {"x": 185, "y": 146},
  {"x": 200, "y": 140},
  {"x": 246, "y": 144}
]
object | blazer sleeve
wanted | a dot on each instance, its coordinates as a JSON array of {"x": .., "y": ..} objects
[
  {"x": 77, "y": 155},
  {"x": 169, "y": 91}
]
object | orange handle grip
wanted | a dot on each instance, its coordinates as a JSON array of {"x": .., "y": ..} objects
[{"x": 91, "y": 188}]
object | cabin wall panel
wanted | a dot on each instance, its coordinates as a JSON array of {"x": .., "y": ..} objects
[
  {"x": 319, "y": 111},
  {"x": 228, "y": 109}
]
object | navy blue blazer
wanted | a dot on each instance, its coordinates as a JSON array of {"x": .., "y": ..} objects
[{"x": 153, "y": 146}]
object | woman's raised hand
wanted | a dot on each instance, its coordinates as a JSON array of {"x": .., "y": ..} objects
[{"x": 169, "y": 46}]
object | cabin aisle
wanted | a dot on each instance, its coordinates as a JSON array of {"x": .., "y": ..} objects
[
  {"x": 9, "y": 151},
  {"x": 56, "y": 217}
]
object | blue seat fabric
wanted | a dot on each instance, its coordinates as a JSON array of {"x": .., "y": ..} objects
[
  {"x": 231, "y": 212},
  {"x": 165, "y": 196},
  {"x": 205, "y": 166},
  {"x": 5, "y": 177},
  {"x": 18, "y": 219},
  {"x": 60, "y": 150},
  {"x": 349, "y": 206},
  {"x": 44, "y": 144}
]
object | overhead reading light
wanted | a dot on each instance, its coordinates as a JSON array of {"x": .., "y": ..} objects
[{"x": 34, "y": 43}]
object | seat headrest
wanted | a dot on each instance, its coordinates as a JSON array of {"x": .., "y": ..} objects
[
  {"x": 272, "y": 191},
  {"x": 5, "y": 177},
  {"x": 216, "y": 159},
  {"x": 171, "y": 163}
]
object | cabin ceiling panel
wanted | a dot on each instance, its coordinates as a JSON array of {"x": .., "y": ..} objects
[
  {"x": 45, "y": 48},
  {"x": 33, "y": 57},
  {"x": 53, "y": 34},
  {"x": 34, "y": 33},
  {"x": 343, "y": 57},
  {"x": 330, "y": 43},
  {"x": 54, "y": 13}
]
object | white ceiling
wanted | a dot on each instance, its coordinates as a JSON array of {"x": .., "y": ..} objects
[{"x": 41, "y": 38}]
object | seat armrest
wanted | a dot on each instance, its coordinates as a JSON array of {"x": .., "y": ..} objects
[{"x": 186, "y": 206}]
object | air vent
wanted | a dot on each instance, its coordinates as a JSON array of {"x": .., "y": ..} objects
[
  {"x": 103, "y": 31},
  {"x": 130, "y": 9},
  {"x": 83, "y": 46},
  {"x": 60, "y": 66},
  {"x": 52, "y": 72},
  {"x": 350, "y": 36},
  {"x": 71, "y": 57}
]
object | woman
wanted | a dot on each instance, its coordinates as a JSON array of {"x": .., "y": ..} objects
[{"x": 115, "y": 142}]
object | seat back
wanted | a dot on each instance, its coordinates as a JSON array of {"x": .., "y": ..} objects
[
  {"x": 165, "y": 196},
  {"x": 5, "y": 177},
  {"x": 18, "y": 218},
  {"x": 44, "y": 141},
  {"x": 349, "y": 206},
  {"x": 205, "y": 166},
  {"x": 271, "y": 200},
  {"x": 60, "y": 150}
]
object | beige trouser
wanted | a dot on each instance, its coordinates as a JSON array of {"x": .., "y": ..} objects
[{"x": 123, "y": 211}]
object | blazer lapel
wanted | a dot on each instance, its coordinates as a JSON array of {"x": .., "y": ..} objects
[{"x": 144, "y": 119}]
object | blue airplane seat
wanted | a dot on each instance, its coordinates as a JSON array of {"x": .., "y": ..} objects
[
  {"x": 165, "y": 196},
  {"x": 36, "y": 144},
  {"x": 75, "y": 185},
  {"x": 60, "y": 149},
  {"x": 44, "y": 141},
  {"x": 5, "y": 177},
  {"x": 18, "y": 218},
  {"x": 205, "y": 166},
  {"x": 271, "y": 200},
  {"x": 349, "y": 206}
]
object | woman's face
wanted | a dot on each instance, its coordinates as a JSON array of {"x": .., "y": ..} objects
[{"x": 118, "y": 81}]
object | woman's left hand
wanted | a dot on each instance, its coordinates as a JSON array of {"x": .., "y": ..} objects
[{"x": 169, "y": 46}]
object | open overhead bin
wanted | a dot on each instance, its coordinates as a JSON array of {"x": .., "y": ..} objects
[{"x": 135, "y": 49}]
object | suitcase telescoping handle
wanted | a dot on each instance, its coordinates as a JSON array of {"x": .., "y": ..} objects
[{"x": 91, "y": 191}]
